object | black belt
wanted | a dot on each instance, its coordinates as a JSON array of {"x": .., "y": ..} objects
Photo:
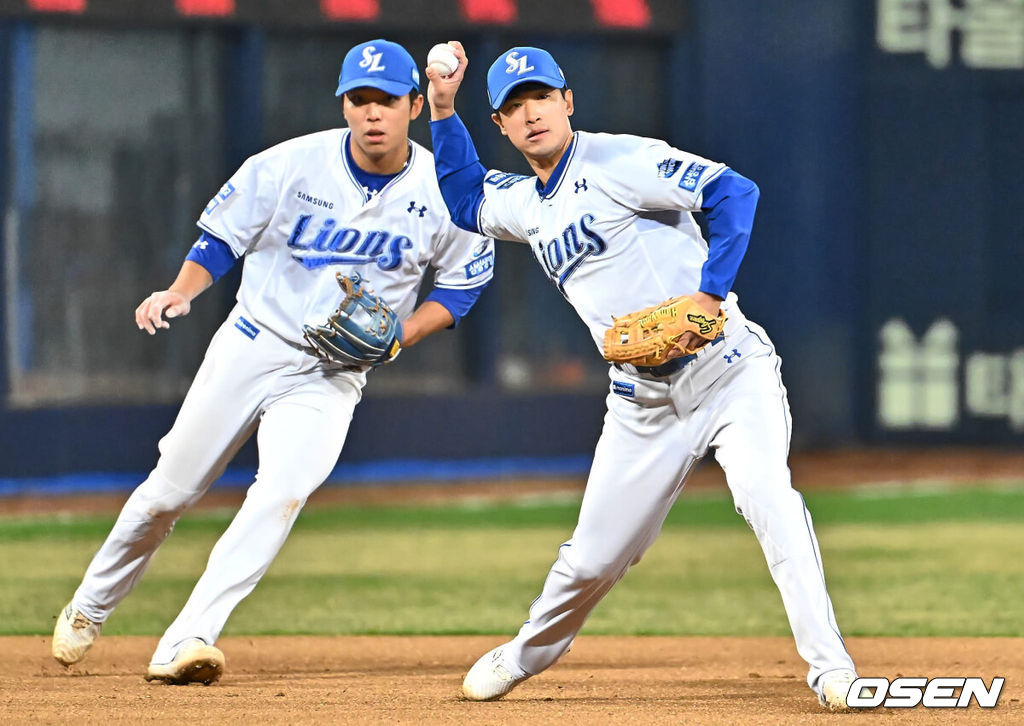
[{"x": 676, "y": 364}]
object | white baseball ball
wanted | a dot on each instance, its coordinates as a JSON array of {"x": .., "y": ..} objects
[{"x": 443, "y": 59}]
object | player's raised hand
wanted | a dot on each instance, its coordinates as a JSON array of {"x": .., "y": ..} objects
[
  {"x": 442, "y": 89},
  {"x": 152, "y": 312}
]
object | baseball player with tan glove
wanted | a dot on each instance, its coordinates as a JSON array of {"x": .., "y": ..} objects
[{"x": 609, "y": 218}]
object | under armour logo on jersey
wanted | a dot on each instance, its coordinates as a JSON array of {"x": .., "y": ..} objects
[
  {"x": 201, "y": 245},
  {"x": 729, "y": 356},
  {"x": 413, "y": 208},
  {"x": 581, "y": 185},
  {"x": 371, "y": 60},
  {"x": 517, "y": 64}
]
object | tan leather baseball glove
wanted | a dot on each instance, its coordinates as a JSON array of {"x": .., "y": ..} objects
[{"x": 646, "y": 337}]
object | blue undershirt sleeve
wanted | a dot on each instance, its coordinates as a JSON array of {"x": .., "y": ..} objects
[
  {"x": 459, "y": 171},
  {"x": 213, "y": 253},
  {"x": 729, "y": 204},
  {"x": 457, "y": 301}
]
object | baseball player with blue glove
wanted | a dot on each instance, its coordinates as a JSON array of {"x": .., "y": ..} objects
[
  {"x": 335, "y": 231},
  {"x": 609, "y": 218}
]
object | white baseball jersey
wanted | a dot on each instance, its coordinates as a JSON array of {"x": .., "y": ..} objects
[
  {"x": 299, "y": 216},
  {"x": 614, "y": 231}
]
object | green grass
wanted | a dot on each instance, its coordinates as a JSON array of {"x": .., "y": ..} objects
[{"x": 926, "y": 561}]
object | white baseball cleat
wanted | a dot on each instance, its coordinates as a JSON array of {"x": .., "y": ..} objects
[
  {"x": 834, "y": 687},
  {"x": 195, "y": 662},
  {"x": 73, "y": 635},
  {"x": 490, "y": 677}
]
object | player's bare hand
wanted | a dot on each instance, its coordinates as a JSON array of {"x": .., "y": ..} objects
[
  {"x": 154, "y": 311},
  {"x": 442, "y": 89},
  {"x": 690, "y": 341}
]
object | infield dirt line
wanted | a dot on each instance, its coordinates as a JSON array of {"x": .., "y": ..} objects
[{"x": 415, "y": 680}]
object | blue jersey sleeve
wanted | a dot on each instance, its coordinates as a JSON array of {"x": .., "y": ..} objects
[
  {"x": 212, "y": 253},
  {"x": 458, "y": 302},
  {"x": 729, "y": 203},
  {"x": 459, "y": 171}
]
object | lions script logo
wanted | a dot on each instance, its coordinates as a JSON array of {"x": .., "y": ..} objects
[
  {"x": 332, "y": 245},
  {"x": 562, "y": 256}
]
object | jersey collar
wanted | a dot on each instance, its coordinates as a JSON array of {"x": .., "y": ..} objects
[
  {"x": 347, "y": 163},
  {"x": 546, "y": 191}
]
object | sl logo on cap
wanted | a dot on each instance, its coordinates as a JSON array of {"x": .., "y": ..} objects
[
  {"x": 371, "y": 60},
  {"x": 517, "y": 64}
]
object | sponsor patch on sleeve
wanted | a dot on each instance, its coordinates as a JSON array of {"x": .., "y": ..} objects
[
  {"x": 503, "y": 180},
  {"x": 668, "y": 167},
  {"x": 480, "y": 265},
  {"x": 627, "y": 390},
  {"x": 691, "y": 176},
  {"x": 226, "y": 191}
]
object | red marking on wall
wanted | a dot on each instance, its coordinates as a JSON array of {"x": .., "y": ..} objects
[
  {"x": 58, "y": 6},
  {"x": 622, "y": 13},
  {"x": 489, "y": 11},
  {"x": 350, "y": 9},
  {"x": 205, "y": 8}
]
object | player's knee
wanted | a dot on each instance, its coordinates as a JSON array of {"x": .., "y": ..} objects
[
  {"x": 758, "y": 472},
  {"x": 282, "y": 486},
  {"x": 774, "y": 519},
  {"x": 158, "y": 499},
  {"x": 598, "y": 569},
  {"x": 274, "y": 504}
]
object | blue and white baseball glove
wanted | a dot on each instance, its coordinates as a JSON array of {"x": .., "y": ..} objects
[{"x": 363, "y": 332}]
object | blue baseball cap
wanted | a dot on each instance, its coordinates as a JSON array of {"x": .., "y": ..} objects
[
  {"x": 379, "y": 64},
  {"x": 519, "y": 65}
]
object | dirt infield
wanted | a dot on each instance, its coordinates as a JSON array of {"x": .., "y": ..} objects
[
  {"x": 279, "y": 680},
  {"x": 390, "y": 679}
]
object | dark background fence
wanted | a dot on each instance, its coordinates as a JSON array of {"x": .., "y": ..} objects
[{"x": 887, "y": 138}]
